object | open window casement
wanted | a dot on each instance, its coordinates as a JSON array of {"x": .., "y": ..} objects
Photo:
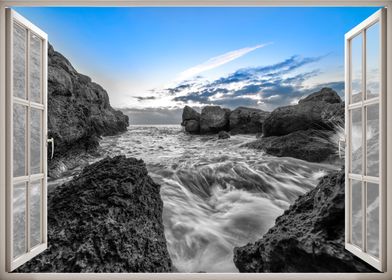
[
  {"x": 365, "y": 86},
  {"x": 26, "y": 140}
]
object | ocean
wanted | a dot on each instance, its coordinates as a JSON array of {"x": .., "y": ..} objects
[{"x": 217, "y": 195}]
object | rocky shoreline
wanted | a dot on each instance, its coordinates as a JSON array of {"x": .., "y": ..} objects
[
  {"x": 79, "y": 113},
  {"x": 107, "y": 219},
  {"x": 308, "y": 237},
  {"x": 305, "y": 131}
]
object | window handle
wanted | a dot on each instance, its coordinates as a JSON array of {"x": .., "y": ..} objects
[
  {"x": 341, "y": 140},
  {"x": 51, "y": 140}
]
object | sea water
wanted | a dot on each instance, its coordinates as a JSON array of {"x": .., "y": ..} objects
[{"x": 217, "y": 194}]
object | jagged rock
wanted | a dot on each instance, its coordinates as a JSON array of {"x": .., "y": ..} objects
[
  {"x": 78, "y": 110},
  {"x": 214, "y": 119},
  {"x": 325, "y": 95},
  {"x": 313, "y": 113},
  {"x": 191, "y": 120},
  {"x": 308, "y": 237},
  {"x": 223, "y": 135},
  {"x": 107, "y": 219},
  {"x": 247, "y": 120},
  {"x": 310, "y": 145}
]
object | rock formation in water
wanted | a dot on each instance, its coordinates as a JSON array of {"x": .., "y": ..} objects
[
  {"x": 306, "y": 130},
  {"x": 107, "y": 219},
  {"x": 214, "y": 119},
  {"x": 308, "y": 237},
  {"x": 191, "y": 120},
  {"x": 310, "y": 145},
  {"x": 324, "y": 95},
  {"x": 247, "y": 120},
  {"x": 79, "y": 113},
  {"x": 319, "y": 110}
]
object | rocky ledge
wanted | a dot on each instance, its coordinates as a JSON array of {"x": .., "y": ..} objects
[
  {"x": 308, "y": 237},
  {"x": 79, "y": 112},
  {"x": 107, "y": 219},
  {"x": 310, "y": 145}
]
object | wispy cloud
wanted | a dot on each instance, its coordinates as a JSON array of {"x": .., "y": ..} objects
[{"x": 217, "y": 61}]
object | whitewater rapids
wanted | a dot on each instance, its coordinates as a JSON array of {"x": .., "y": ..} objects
[{"x": 216, "y": 194}]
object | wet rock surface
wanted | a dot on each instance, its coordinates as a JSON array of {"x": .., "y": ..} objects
[
  {"x": 107, "y": 219},
  {"x": 223, "y": 135},
  {"x": 318, "y": 111},
  {"x": 79, "y": 110},
  {"x": 327, "y": 95},
  {"x": 310, "y": 145},
  {"x": 308, "y": 237},
  {"x": 191, "y": 120},
  {"x": 214, "y": 119},
  {"x": 247, "y": 120},
  {"x": 306, "y": 131}
]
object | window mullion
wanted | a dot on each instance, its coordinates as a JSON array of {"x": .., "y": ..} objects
[
  {"x": 364, "y": 152},
  {"x": 28, "y": 141}
]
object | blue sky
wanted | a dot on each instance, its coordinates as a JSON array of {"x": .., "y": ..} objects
[{"x": 152, "y": 59}]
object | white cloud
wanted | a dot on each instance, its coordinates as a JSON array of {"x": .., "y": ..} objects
[{"x": 217, "y": 61}]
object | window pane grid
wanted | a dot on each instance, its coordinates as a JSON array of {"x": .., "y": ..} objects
[
  {"x": 28, "y": 84},
  {"x": 364, "y": 113}
]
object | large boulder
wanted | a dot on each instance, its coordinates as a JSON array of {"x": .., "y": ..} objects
[
  {"x": 191, "y": 120},
  {"x": 189, "y": 113},
  {"x": 107, "y": 219},
  {"x": 79, "y": 110},
  {"x": 314, "y": 113},
  {"x": 327, "y": 95},
  {"x": 308, "y": 237},
  {"x": 214, "y": 119},
  {"x": 310, "y": 145},
  {"x": 247, "y": 120}
]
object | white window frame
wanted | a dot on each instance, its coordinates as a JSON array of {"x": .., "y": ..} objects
[
  {"x": 378, "y": 263},
  {"x": 232, "y": 3},
  {"x": 12, "y": 18}
]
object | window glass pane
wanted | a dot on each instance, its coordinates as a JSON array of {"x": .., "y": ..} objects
[
  {"x": 356, "y": 69},
  {"x": 35, "y": 68},
  {"x": 356, "y": 212},
  {"x": 19, "y": 219},
  {"x": 35, "y": 141},
  {"x": 35, "y": 213},
  {"x": 19, "y": 61},
  {"x": 372, "y": 140},
  {"x": 356, "y": 141},
  {"x": 373, "y": 219},
  {"x": 19, "y": 142},
  {"x": 373, "y": 61}
]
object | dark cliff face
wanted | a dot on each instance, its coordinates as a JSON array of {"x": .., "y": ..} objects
[
  {"x": 78, "y": 109},
  {"x": 107, "y": 219},
  {"x": 308, "y": 237}
]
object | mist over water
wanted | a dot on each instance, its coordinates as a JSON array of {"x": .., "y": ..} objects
[{"x": 216, "y": 194}]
